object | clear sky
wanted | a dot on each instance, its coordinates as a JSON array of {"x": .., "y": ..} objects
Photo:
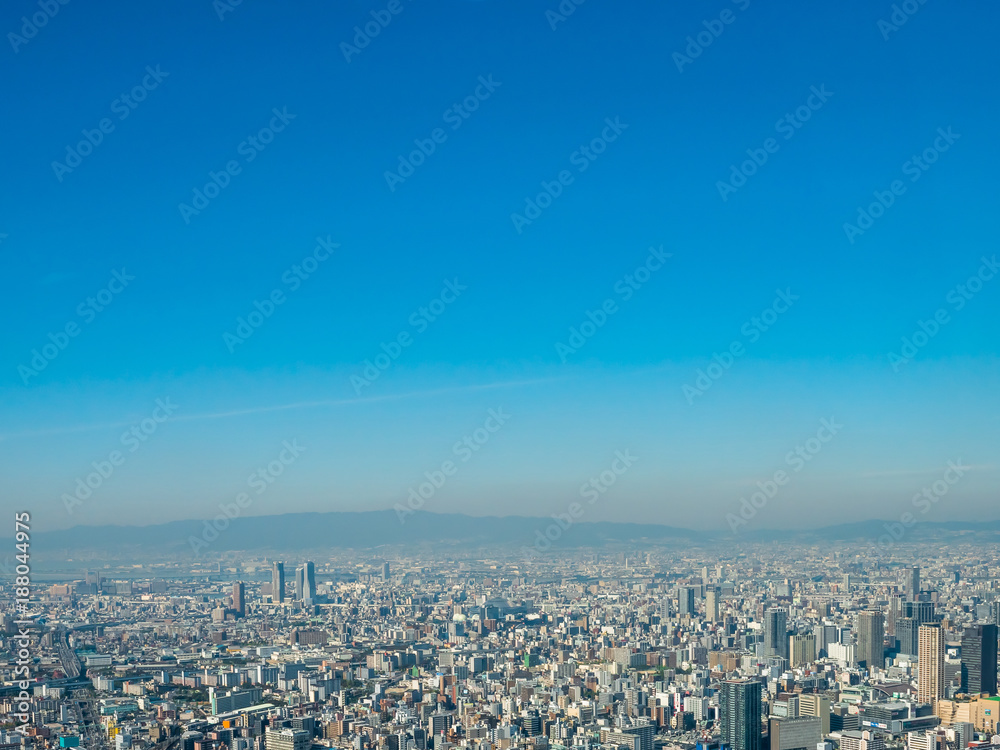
[{"x": 645, "y": 137}]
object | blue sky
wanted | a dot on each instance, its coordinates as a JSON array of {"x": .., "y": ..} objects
[{"x": 552, "y": 93}]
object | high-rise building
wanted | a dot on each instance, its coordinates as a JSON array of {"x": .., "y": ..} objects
[
  {"x": 803, "y": 649},
  {"x": 930, "y": 663},
  {"x": 309, "y": 582},
  {"x": 996, "y": 613},
  {"x": 896, "y": 603},
  {"x": 385, "y": 571},
  {"x": 685, "y": 601},
  {"x": 300, "y": 583},
  {"x": 911, "y": 583},
  {"x": 979, "y": 659},
  {"x": 871, "y": 639},
  {"x": 239, "y": 598},
  {"x": 712, "y": 597},
  {"x": 278, "y": 582},
  {"x": 776, "y": 633},
  {"x": 740, "y": 713},
  {"x": 907, "y": 636},
  {"x": 818, "y": 706},
  {"x": 922, "y": 612}
]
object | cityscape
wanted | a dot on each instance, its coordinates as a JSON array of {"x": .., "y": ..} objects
[{"x": 499, "y": 375}]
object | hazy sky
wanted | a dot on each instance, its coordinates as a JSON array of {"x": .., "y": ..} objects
[{"x": 120, "y": 262}]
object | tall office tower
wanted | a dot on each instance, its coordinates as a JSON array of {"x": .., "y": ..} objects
[
  {"x": 712, "y": 597},
  {"x": 996, "y": 613},
  {"x": 922, "y": 612},
  {"x": 776, "y": 633},
  {"x": 930, "y": 663},
  {"x": 664, "y": 609},
  {"x": 907, "y": 636},
  {"x": 979, "y": 659},
  {"x": 871, "y": 639},
  {"x": 278, "y": 583},
  {"x": 911, "y": 584},
  {"x": 704, "y": 574},
  {"x": 818, "y": 706},
  {"x": 300, "y": 583},
  {"x": 739, "y": 704},
  {"x": 309, "y": 582},
  {"x": 385, "y": 571},
  {"x": 239, "y": 598},
  {"x": 685, "y": 601},
  {"x": 803, "y": 649},
  {"x": 896, "y": 602}
]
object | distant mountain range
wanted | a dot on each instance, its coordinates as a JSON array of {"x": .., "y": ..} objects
[{"x": 366, "y": 530}]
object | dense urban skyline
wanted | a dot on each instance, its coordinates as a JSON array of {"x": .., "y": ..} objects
[{"x": 493, "y": 375}]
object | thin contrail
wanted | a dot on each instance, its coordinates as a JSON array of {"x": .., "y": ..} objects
[{"x": 283, "y": 407}]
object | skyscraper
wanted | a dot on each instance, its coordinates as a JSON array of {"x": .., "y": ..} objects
[
  {"x": 996, "y": 613},
  {"x": 979, "y": 659},
  {"x": 739, "y": 704},
  {"x": 685, "y": 601},
  {"x": 712, "y": 597},
  {"x": 911, "y": 583},
  {"x": 776, "y": 633},
  {"x": 907, "y": 636},
  {"x": 803, "y": 649},
  {"x": 930, "y": 663},
  {"x": 871, "y": 639},
  {"x": 239, "y": 598},
  {"x": 922, "y": 612},
  {"x": 278, "y": 582},
  {"x": 896, "y": 604},
  {"x": 818, "y": 706},
  {"x": 300, "y": 583},
  {"x": 309, "y": 582},
  {"x": 385, "y": 571}
]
